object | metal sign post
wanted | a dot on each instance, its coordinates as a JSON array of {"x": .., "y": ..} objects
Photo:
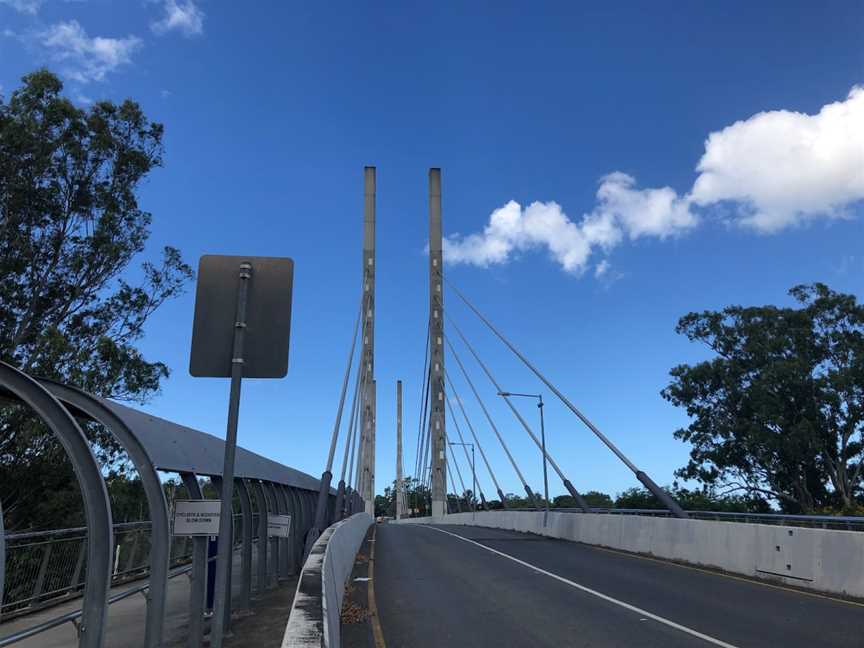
[
  {"x": 220, "y": 349},
  {"x": 223, "y": 560}
]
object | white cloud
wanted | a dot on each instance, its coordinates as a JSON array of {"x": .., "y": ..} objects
[
  {"x": 601, "y": 268},
  {"x": 182, "y": 15},
  {"x": 622, "y": 211},
  {"x": 783, "y": 168},
  {"x": 778, "y": 169},
  {"x": 82, "y": 58},
  {"x": 24, "y": 6}
]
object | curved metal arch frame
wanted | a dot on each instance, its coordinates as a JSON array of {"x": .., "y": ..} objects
[
  {"x": 272, "y": 506},
  {"x": 286, "y": 553},
  {"x": 246, "y": 552},
  {"x": 261, "y": 568},
  {"x": 97, "y": 507},
  {"x": 291, "y": 504},
  {"x": 160, "y": 538},
  {"x": 301, "y": 523},
  {"x": 309, "y": 499},
  {"x": 296, "y": 520}
]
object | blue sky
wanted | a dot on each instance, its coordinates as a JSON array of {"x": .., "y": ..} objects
[{"x": 272, "y": 110}]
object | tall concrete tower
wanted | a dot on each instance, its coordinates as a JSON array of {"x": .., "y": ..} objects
[
  {"x": 437, "y": 428},
  {"x": 400, "y": 487},
  {"x": 367, "y": 421}
]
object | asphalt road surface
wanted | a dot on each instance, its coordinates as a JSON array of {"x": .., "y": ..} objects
[{"x": 434, "y": 588}]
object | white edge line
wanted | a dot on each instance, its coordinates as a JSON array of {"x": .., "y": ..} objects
[{"x": 588, "y": 590}]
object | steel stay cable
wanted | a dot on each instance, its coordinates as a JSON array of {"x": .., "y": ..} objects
[
  {"x": 423, "y": 400},
  {"x": 361, "y": 434},
  {"x": 345, "y": 380},
  {"x": 349, "y": 438},
  {"x": 470, "y": 427},
  {"x": 506, "y": 399},
  {"x": 486, "y": 412},
  {"x": 459, "y": 432},
  {"x": 452, "y": 484},
  {"x": 458, "y": 472},
  {"x": 423, "y": 421},
  {"x": 643, "y": 477},
  {"x": 537, "y": 373}
]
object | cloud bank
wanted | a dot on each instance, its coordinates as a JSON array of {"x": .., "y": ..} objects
[
  {"x": 777, "y": 169},
  {"x": 83, "y": 58}
]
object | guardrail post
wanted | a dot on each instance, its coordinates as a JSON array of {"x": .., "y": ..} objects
[
  {"x": 96, "y": 503},
  {"x": 246, "y": 551},
  {"x": 261, "y": 567},
  {"x": 198, "y": 585}
]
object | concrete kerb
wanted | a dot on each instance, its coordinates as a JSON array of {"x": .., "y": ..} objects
[
  {"x": 824, "y": 560},
  {"x": 315, "y": 618}
]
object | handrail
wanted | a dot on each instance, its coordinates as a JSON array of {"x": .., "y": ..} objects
[
  {"x": 848, "y": 520},
  {"x": 39, "y": 628}
]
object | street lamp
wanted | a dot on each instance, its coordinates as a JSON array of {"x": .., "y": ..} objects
[
  {"x": 539, "y": 398},
  {"x": 473, "y": 480}
]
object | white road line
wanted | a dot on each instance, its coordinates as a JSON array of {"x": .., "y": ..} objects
[{"x": 588, "y": 590}]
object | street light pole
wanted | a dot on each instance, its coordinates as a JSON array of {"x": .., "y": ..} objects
[
  {"x": 473, "y": 487},
  {"x": 539, "y": 397},
  {"x": 545, "y": 475}
]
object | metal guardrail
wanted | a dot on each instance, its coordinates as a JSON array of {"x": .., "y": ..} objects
[
  {"x": 46, "y": 567},
  {"x": 73, "y": 617},
  {"x": 837, "y": 522}
]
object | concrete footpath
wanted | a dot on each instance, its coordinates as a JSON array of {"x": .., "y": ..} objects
[
  {"x": 442, "y": 586},
  {"x": 126, "y": 618}
]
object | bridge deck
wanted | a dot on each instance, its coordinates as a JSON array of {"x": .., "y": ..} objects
[{"x": 436, "y": 589}]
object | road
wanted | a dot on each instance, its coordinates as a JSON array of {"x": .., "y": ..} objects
[{"x": 442, "y": 586}]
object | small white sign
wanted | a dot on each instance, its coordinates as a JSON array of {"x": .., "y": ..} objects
[
  {"x": 196, "y": 517},
  {"x": 278, "y": 526}
]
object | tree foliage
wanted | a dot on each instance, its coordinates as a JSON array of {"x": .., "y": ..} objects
[
  {"x": 778, "y": 412},
  {"x": 70, "y": 225}
]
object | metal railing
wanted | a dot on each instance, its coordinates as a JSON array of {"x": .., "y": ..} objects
[
  {"x": 72, "y": 617},
  {"x": 836, "y": 522},
  {"x": 46, "y": 568}
]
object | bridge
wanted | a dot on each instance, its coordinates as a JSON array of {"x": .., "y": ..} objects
[{"x": 457, "y": 565}]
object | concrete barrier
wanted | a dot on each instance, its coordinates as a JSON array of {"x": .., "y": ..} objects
[
  {"x": 315, "y": 614},
  {"x": 825, "y": 560}
]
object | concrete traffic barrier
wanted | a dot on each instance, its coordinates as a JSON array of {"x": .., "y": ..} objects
[
  {"x": 315, "y": 618},
  {"x": 825, "y": 560}
]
